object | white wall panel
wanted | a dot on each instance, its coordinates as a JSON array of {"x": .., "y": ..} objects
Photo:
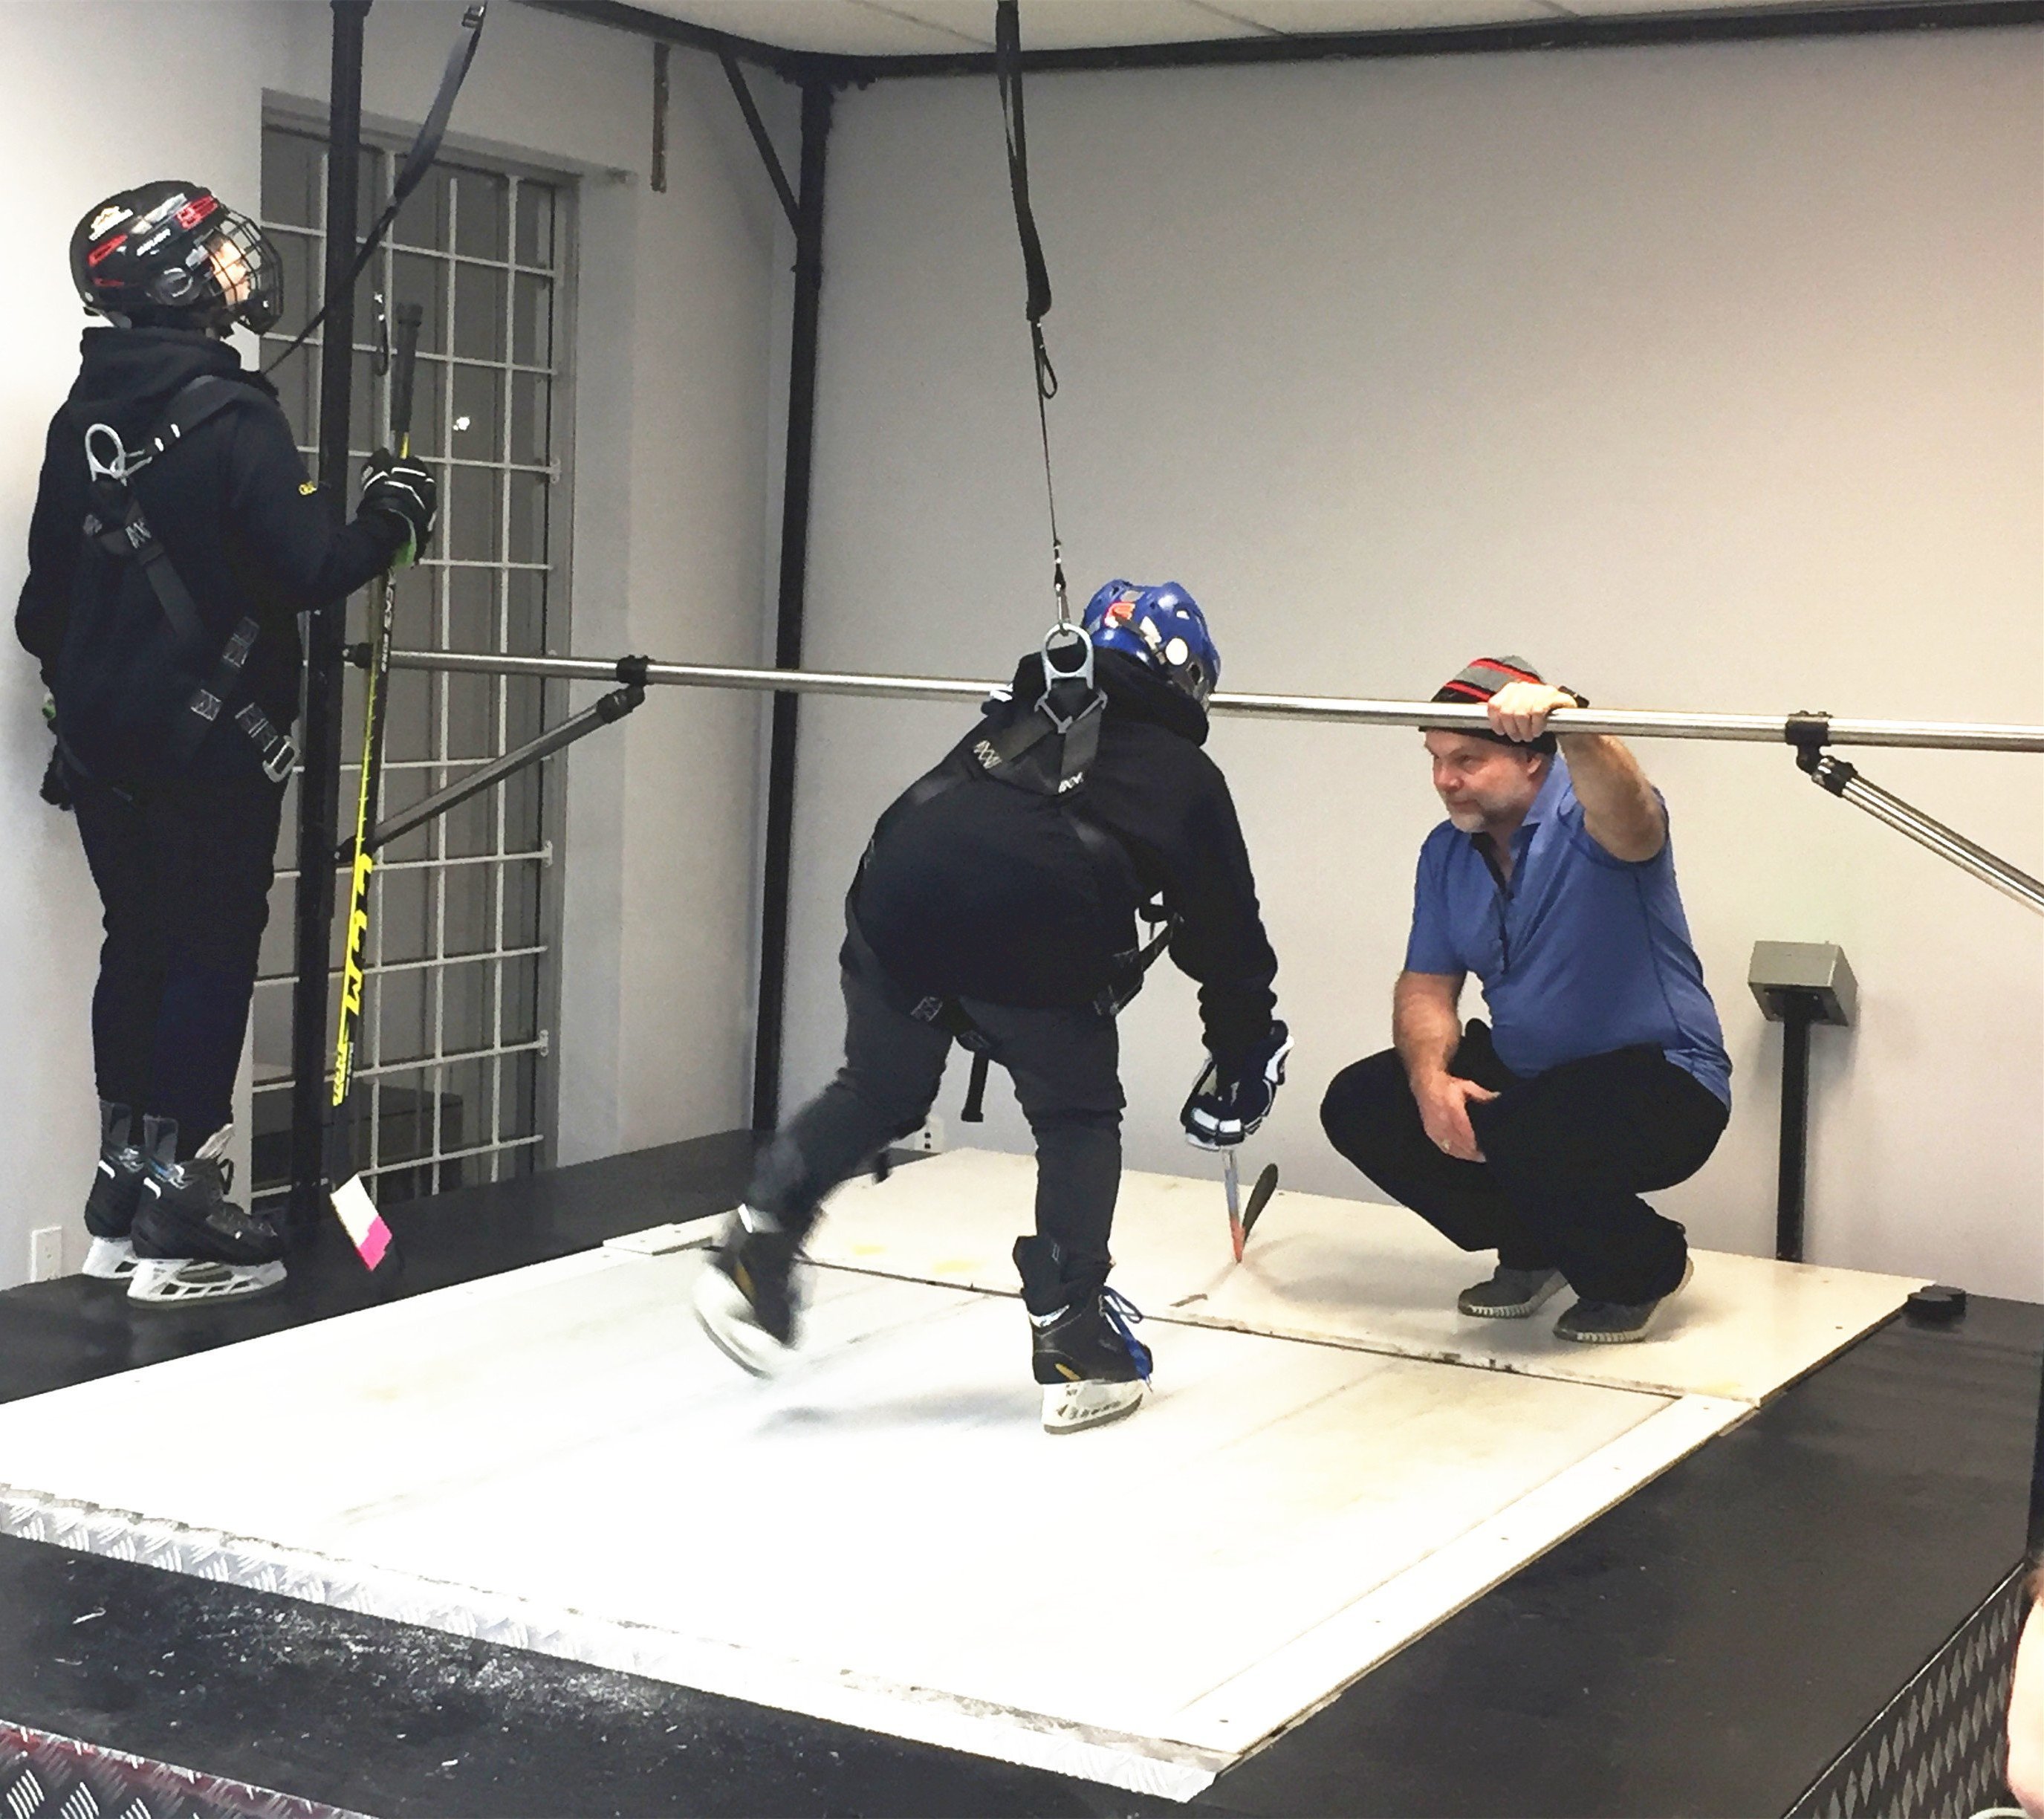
[
  {"x": 1706, "y": 377},
  {"x": 670, "y": 487}
]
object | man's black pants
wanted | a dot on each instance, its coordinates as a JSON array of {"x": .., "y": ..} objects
[
  {"x": 1567, "y": 1155},
  {"x": 183, "y": 869},
  {"x": 1065, "y": 1065}
]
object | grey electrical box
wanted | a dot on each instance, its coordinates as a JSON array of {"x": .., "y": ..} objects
[{"x": 1811, "y": 974}]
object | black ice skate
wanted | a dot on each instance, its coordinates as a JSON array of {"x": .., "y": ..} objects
[
  {"x": 745, "y": 1297},
  {"x": 117, "y": 1190},
  {"x": 192, "y": 1244},
  {"x": 1092, "y": 1367}
]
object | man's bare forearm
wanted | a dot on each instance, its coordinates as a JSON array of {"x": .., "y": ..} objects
[
  {"x": 1620, "y": 810},
  {"x": 1426, "y": 1022}
]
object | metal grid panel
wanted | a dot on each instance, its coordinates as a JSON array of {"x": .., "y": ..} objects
[{"x": 462, "y": 926}]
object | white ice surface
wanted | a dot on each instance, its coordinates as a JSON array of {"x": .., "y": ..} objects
[
  {"x": 1354, "y": 1273},
  {"x": 557, "y": 1458}
]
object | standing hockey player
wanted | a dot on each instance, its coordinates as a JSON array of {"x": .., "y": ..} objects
[
  {"x": 175, "y": 539},
  {"x": 996, "y": 907}
]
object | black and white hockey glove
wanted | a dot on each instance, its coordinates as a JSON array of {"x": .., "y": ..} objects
[
  {"x": 1226, "y": 1108},
  {"x": 403, "y": 489}
]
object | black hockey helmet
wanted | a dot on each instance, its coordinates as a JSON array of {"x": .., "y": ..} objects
[{"x": 172, "y": 255}]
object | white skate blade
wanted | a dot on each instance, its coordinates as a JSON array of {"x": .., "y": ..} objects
[
  {"x": 110, "y": 1259},
  {"x": 726, "y": 1317},
  {"x": 1069, "y": 1407},
  {"x": 182, "y": 1282}
]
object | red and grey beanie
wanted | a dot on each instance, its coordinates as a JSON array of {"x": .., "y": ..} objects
[{"x": 1481, "y": 677}]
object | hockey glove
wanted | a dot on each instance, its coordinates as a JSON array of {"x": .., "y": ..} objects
[
  {"x": 404, "y": 490},
  {"x": 1226, "y": 1107}
]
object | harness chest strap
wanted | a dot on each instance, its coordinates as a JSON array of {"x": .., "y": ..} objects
[{"x": 129, "y": 538}]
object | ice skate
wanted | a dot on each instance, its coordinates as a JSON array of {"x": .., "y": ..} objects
[
  {"x": 1092, "y": 1367},
  {"x": 117, "y": 1190},
  {"x": 745, "y": 1297},
  {"x": 192, "y": 1244}
]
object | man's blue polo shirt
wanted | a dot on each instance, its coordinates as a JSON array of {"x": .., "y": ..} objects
[{"x": 1579, "y": 953}]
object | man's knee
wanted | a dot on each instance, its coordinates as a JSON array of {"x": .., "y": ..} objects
[{"x": 1365, "y": 1103}]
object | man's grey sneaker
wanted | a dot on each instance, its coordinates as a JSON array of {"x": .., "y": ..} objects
[
  {"x": 1510, "y": 1294},
  {"x": 1615, "y": 1322},
  {"x": 747, "y": 1297}
]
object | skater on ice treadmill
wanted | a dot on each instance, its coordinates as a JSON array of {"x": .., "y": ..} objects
[{"x": 997, "y": 908}]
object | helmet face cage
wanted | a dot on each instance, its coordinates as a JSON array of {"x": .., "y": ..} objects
[
  {"x": 170, "y": 254},
  {"x": 247, "y": 276},
  {"x": 1162, "y": 626}
]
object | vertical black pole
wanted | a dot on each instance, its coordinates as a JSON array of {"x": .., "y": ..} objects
[
  {"x": 817, "y": 97},
  {"x": 2037, "y": 1482},
  {"x": 1797, "y": 1014},
  {"x": 319, "y": 740}
]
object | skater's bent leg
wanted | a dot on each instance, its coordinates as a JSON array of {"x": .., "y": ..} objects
[
  {"x": 894, "y": 1064},
  {"x": 1371, "y": 1117},
  {"x": 213, "y": 846},
  {"x": 1066, "y": 1066}
]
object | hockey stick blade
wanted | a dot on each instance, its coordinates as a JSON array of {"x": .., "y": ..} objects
[
  {"x": 364, "y": 1223},
  {"x": 1259, "y": 1198}
]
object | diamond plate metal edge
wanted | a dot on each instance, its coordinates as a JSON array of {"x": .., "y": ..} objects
[
  {"x": 1139, "y": 1765},
  {"x": 1937, "y": 1750}
]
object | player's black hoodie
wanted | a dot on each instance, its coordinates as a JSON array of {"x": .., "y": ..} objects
[
  {"x": 242, "y": 527},
  {"x": 985, "y": 891}
]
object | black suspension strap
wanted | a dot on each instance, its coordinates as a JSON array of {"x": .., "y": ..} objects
[
  {"x": 1007, "y": 75},
  {"x": 426, "y": 148}
]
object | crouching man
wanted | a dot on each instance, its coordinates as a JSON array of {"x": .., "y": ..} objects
[{"x": 1603, "y": 1073}]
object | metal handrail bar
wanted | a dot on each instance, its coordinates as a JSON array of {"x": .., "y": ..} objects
[{"x": 1753, "y": 728}]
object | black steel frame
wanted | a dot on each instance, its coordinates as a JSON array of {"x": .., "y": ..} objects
[
  {"x": 819, "y": 75},
  {"x": 319, "y": 740}
]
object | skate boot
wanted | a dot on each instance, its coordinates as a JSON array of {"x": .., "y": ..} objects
[
  {"x": 745, "y": 1297},
  {"x": 192, "y": 1244},
  {"x": 1092, "y": 1367},
  {"x": 117, "y": 1190}
]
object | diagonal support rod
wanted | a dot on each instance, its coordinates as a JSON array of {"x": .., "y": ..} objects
[{"x": 771, "y": 158}]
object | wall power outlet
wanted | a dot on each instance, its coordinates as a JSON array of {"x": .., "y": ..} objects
[
  {"x": 928, "y": 1141},
  {"x": 46, "y": 1253}
]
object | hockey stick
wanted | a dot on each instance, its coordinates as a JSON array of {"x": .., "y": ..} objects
[
  {"x": 1259, "y": 1198},
  {"x": 351, "y": 1199}
]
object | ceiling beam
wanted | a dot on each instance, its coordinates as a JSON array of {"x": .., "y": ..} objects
[
  {"x": 1726, "y": 26},
  {"x": 1729, "y": 25}
]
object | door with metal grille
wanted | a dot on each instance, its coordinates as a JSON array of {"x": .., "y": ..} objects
[{"x": 460, "y": 967}]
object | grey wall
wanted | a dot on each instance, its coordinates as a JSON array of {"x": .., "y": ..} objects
[
  {"x": 1706, "y": 377},
  {"x": 674, "y": 373}
]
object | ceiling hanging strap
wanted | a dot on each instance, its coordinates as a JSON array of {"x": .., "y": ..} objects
[
  {"x": 425, "y": 148},
  {"x": 1008, "y": 73}
]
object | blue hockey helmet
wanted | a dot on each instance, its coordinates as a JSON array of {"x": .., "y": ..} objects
[{"x": 1162, "y": 626}]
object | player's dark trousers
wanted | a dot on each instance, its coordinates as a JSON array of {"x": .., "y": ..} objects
[
  {"x": 183, "y": 871},
  {"x": 1065, "y": 1066},
  {"x": 1567, "y": 1155}
]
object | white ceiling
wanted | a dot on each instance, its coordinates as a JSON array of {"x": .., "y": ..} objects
[{"x": 895, "y": 28}]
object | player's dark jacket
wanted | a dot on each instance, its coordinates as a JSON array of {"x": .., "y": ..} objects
[
  {"x": 987, "y": 891},
  {"x": 230, "y": 506}
]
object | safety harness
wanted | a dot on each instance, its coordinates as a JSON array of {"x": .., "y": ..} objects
[
  {"x": 114, "y": 525},
  {"x": 1047, "y": 752}
]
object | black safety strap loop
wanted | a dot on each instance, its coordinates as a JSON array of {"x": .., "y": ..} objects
[
  {"x": 425, "y": 147},
  {"x": 1035, "y": 269},
  {"x": 974, "y": 1110}
]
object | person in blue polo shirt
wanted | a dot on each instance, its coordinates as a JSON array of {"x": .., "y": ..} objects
[{"x": 1602, "y": 1074}]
